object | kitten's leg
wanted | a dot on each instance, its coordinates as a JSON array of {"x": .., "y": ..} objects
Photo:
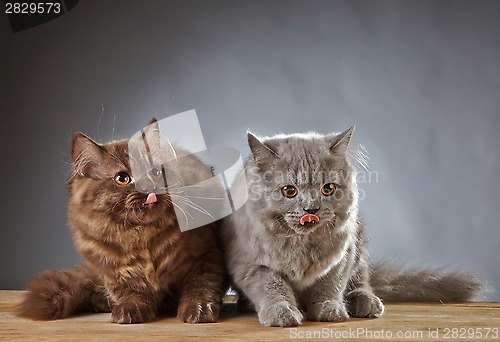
[
  {"x": 324, "y": 300},
  {"x": 361, "y": 301},
  {"x": 272, "y": 296},
  {"x": 203, "y": 287},
  {"x": 136, "y": 301}
]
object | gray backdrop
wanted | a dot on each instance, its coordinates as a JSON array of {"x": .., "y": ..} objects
[{"x": 420, "y": 79}]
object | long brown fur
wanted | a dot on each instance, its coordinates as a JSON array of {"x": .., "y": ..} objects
[
  {"x": 58, "y": 294},
  {"x": 138, "y": 261}
]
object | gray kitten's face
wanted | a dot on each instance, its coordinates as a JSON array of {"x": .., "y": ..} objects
[{"x": 302, "y": 182}]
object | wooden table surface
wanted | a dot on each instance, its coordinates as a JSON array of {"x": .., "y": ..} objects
[{"x": 401, "y": 322}]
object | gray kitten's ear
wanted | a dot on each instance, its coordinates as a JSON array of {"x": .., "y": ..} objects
[
  {"x": 340, "y": 142},
  {"x": 262, "y": 154},
  {"x": 86, "y": 154}
]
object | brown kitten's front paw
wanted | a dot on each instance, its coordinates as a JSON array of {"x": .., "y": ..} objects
[
  {"x": 363, "y": 303},
  {"x": 328, "y": 311},
  {"x": 102, "y": 303},
  {"x": 281, "y": 314},
  {"x": 198, "y": 312},
  {"x": 129, "y": 313}
]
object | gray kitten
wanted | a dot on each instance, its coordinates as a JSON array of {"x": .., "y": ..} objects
[{"x": 297, "y": 247}]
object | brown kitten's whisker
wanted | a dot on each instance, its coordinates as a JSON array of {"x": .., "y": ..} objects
[
  {"x": 190, "y": 186},
  {"x": 212, "y": 198},
  {"x": 203, "y": 212},
  {"x": 195, "y": 206},
  {"x": 183, "y": 212}
]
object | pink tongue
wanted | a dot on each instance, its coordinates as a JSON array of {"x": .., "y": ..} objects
[
  {"x": 151, "y": 199},
  {"x": 309, "y": 218}
]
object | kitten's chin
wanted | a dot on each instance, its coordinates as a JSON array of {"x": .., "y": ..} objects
[
  {"x": 147, "y": 213},
  {"x": 305, "y": 229}
]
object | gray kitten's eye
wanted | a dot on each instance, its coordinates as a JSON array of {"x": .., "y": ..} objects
[
  {"x": 289, "y": 191},
  {"x": 328, "y": 189},
  {"x": 156, "y": 172},
  {"x": 122, "y": 178}
]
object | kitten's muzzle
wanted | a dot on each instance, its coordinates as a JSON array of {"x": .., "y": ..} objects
[
  {"x": 146, "y": 186},
  {"x": 312, "y": 210},
  {"x": 309, "y": 218},
  {"x": 151, "y": 199}
]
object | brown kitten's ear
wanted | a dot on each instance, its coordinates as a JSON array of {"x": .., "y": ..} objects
[
  {"x": 262, "y": 154},
  {"x": 340, "y": 142},
  {"x": 86, "y": 154},
  {"x": 152, "y": 134}
]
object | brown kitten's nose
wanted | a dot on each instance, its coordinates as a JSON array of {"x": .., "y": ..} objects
[
  {"x": 146, "y": 186},
  {"x": 312, "y": 210}
]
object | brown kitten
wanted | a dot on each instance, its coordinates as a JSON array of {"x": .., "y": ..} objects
[{"x": 138, "y": 260}]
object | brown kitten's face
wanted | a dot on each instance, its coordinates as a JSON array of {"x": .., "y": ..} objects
[
  {"x": 103, "y": 180},
  {"x": 138, "y": 198}
]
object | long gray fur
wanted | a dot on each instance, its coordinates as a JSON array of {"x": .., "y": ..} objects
[{"x": 319, "y": 271}]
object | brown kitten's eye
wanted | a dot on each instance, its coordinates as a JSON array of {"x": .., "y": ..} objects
[
  {"x": 122, "y": 178},
  {"x": 289, "y": 191},
  {"x": 328, "y": 189},
  {"x": 156, "y": 172}
]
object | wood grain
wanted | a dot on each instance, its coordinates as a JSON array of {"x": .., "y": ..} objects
[{"x": 417, "y": 322}]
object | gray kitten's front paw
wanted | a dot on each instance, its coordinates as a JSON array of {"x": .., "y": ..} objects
[
  {"x": 328, "y": 311},
  {"x": 362, "y": 303},
  {"x": 281, "y": 314}
]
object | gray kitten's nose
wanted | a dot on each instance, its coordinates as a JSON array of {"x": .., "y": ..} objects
[{"x": 312, "y": 210}]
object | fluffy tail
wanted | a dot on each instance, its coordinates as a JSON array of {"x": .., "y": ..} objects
[
  {"x": 395, "y": 284},
  {"x": 58, "y": 294}
]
